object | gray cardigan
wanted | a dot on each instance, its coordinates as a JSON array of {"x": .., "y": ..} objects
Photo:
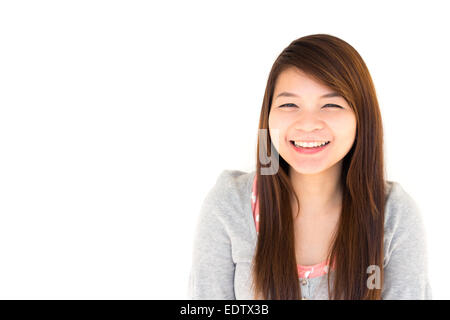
[{"x": 225, "y": 241}]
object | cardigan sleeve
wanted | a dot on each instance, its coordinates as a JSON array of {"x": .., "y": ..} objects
[
  {"x": 212, "y": 270},
  {"x": 406, "y": 259}
]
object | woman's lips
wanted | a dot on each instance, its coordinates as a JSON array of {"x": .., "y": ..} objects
[{"x": 311, "y": 150}]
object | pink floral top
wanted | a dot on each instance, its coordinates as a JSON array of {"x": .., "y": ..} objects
[{"x": 313, "y": 271}]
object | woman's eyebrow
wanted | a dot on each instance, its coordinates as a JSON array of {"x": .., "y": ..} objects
[{"x": 290, "y": 94}]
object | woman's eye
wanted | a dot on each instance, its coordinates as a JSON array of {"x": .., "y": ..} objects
[
  {"x": 287, "y": 105},
  {"x": 332, "y": 105}
]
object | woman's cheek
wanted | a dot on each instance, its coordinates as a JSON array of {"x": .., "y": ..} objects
[
  {"x": 277, "y": 132},
  {"x": 345, "y": 129}
]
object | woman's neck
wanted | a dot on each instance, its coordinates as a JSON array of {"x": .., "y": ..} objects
[{"x": 319, "y": 194}]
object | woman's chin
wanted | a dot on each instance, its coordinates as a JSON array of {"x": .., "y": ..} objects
[{"x": 309, "y": 169}]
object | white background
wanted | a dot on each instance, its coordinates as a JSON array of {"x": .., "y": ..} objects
[{"x": 116, "y": 118}]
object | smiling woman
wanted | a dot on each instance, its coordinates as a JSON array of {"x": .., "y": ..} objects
[
  {"x": 326, "y": 224},
  {"x": 314, "y": 117}
]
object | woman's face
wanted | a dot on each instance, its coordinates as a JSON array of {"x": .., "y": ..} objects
[{"x": 310, "y": 117}]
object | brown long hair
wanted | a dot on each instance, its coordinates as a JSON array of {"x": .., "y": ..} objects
[{"x": 358, "y": 241}]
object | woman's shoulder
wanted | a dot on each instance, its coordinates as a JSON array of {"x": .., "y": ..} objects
[
  {"x": 231, "y": 181},
  {"x": 236, "y": 176},
  {"x": 400, "y": 205},
  {"x": 403, "y": 219},
  {"x": 231, "y": 191},
  {"x": 227, "y": 204}
]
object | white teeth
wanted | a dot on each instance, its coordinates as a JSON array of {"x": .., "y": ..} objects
[{"x": 309, "y": 144}]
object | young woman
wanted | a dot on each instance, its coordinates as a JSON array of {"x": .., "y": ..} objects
[{"x": 325, "y": 224}]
